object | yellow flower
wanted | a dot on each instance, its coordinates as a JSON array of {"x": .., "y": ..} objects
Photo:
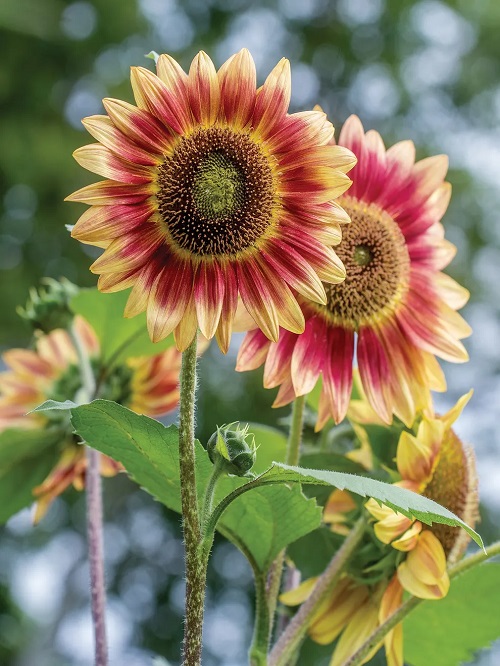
[
  {"x": 431, "y": 460},
  {"x": 337, "y": 508},
  {"x": 351, "y": 612},
  {"x": 214, "y": 192},
  {"x": 435, "y": 463}
]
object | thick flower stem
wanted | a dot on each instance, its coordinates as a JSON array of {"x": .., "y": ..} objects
[
  {"x": 398, "y": 616},
  {"x": 290, "y": 640},
  {"x": 196, "y": 557},
  {"x": 96, "y": 554},
  {"x": 260, "y": 642},
  {"x": 94, "y": 515},
  {"x": 292, "y": 458},
  {"x": 295, "y": 436}
]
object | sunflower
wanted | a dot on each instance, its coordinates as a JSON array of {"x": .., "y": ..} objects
[
  {"x": 50, "y": 371},
  {"x": 397, "y": 553},
  {"x": 214, "y": 192},
  {"x": 396, "y": 310},
  {"x": 435, "y": 463}
]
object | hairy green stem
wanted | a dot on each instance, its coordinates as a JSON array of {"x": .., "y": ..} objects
[
  {"x": 261, "y": 632},
  {"x": 196, "y": 558},
  {"x": 93, "y": 494},
  {"x": 399, "y": 615},
  {"x": 291, "y": 639},
  {"x": 295, "y": 436},
  {"x": 292, "y": 458},
  {"x": 209, "y": 499}
]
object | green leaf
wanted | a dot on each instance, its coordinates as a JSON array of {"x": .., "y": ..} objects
[
  {"x": 51, "y": 405},
  {"x": 265, "y": 520},
  {"x": 26, "y": 458},
  {"x": 119, "y": 337},
  {"x": 261, "y": 522},
  {"x": 406, "y": 502},
  {"x": 333, "y": 461},
  {"x": 17, "y": 444},
  {"x": 450, "y": 631}
]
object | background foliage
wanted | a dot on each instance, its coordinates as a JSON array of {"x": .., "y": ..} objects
[{"x": 425, "y": 70}]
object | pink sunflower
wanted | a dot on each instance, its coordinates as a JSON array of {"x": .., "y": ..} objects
[
  {"x": 214, "y": 192},
  {"x": 396, "y": 311}
]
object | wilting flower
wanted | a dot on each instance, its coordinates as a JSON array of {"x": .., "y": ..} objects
[
  {"x": 215, "y": 192},
  {"x": 50, "y": 371},
  {"x": 432, "y": 461},
  {"x": 396, "y": 306}
]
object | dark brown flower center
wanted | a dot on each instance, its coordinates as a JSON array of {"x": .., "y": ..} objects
[
  {"x": 454, "y": 485},
  {"x": 217, "y": 192},
  {"x": 374, "y": 253}
]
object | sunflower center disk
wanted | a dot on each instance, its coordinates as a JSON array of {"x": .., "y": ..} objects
[
  {"x": 217, "y": 193},
  {"x": 453, "y": 484},
  {"x": 219, "y": 187},
  {"x": 377, "y": 263}
]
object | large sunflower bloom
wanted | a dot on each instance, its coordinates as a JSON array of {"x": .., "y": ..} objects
[
  {"x": 215, "y": 192},
  {"x": 396, "y": 307},
  {"x": 50, "y": 371}
]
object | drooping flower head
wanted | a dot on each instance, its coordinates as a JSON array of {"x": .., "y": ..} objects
[
  {"x": 405, "y": 555},
  {"x": 214, "y": 192},
  {"x": 396, "y": 308},
  {"x": 432, "y": 461},
  {"x": 50, "y": 371}
]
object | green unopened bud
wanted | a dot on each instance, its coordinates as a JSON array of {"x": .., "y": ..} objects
[
  {"x": 229, "y": 448},
  {"x": 48, "y": 307}
]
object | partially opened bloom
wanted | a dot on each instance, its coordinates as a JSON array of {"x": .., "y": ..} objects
[
  {"x": 214, "y": 192},
  {"x": 50, "y": 371},
  {"x": 396, "y": 310}
]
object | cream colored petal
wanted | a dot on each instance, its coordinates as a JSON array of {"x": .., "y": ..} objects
[{"x": 451, "y": 292}]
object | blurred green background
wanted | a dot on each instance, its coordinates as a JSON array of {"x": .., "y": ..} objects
[{"x": 427, "y": 70}]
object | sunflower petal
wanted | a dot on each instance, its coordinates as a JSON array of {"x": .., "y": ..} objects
[
  {"x": 238, "y": 80},
  {"x": 204, "y": 90}
]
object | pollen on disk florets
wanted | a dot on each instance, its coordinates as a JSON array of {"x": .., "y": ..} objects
[
  {"x": 217, "y": 193},
  {"x": 374, "y": 253},
  {"x": 214, "y": 195}
]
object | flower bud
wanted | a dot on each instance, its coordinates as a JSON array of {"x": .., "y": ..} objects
[
  {"x": 228, "y": 447},
  {"x": 48, "y": 307}
]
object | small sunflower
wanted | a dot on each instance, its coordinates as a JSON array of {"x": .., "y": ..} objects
[
  {"x": 398, "y": 553},
  {"x": 433, "y": 462},
  {"x": 396, "y": 310},
  {"x": 214, "y": 192},
  {"x": 50, "y": 371}
]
